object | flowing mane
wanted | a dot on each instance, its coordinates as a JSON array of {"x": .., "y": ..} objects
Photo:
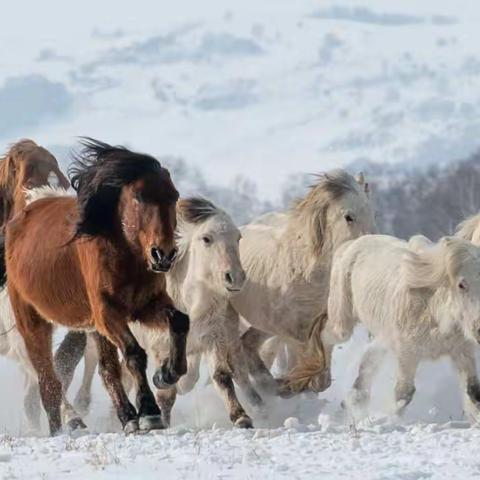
[
  {"x": 196, "y": 210},
  {"x": 310, "y": 212},
  {"x": 436, "y": 263},
  {"x": 468, "y": 229},
  {"x": 98, "y": 174}
]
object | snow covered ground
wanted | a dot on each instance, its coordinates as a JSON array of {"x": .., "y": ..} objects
[
  {"x": 304, "y": 437},
  {"x": 371, "y": 452}
]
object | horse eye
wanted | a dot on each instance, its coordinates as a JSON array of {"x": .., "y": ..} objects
[
  {"x": 348, "y": 218},
  {"x": 207, "y": 240},
  {"x": 138, "y": 197}
]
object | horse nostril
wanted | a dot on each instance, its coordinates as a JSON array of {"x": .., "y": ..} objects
[
  {"x": 157, "y": 254},
  {"x": 228, "y": 278},
  {"x": 173, "y": 255}
]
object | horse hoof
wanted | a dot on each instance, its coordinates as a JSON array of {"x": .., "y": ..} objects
[
  {"x": 76, "y": 424},
  {"x": 285, "y": 390},
  {"x": 243, "y": 422},
  {"x": 151, "y": 422},
  {"x": 131, "y": 426}
]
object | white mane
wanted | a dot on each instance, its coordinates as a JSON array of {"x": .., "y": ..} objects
[
  {"x": 34, "y": 194},
  {"x": 433, "y": 264},
  {"x": 469, "y": 229}
]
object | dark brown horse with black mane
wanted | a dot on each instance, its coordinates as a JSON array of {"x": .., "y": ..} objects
[{"x": 96, "y": 262}]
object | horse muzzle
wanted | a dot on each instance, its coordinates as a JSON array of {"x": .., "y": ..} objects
[
  {"x": 161, "y": 262},
  {"x": 234, "y": 281}
]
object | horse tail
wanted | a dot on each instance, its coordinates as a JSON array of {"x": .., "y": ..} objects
[
  {"x": 312, "y": 372},
  {"x": 313, "y": 369}
]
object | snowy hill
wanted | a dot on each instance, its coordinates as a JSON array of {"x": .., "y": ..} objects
[{"x": 241, "y": 88}]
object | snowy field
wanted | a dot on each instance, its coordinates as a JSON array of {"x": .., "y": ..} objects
[
  {"x": 304, "y": 437},
  {"x": 378, "y": 452}
]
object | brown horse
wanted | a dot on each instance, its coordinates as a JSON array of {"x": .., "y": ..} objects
[
  {"x": 25, "y": 165},
  {"x": 97, "y": 262}
]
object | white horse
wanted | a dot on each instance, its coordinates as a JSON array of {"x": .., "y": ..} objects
[
  {"x": 287, "y": 258},
  {"x": 420, "y": 300},
  {"x": 205, "y": 276}
]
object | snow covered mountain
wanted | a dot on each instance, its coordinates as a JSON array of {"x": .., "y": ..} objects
[{"x": 261, "y": 89}]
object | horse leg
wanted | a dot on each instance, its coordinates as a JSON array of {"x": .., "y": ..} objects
[
  {"x": 37, "y": 334},
  {"x": 68, "y": 356},
  {"x": 464, "y": 362},
  {"x": 136, "y": 362},
  {"x": 240, "y": 371},
  {"x": 110, "y": 371},
  {"x": 84, "y": 395},
  {"x": 251, "y": 341},
  {"x": 271, "y": 350},
  {"x": 176, "y": 364},
  {"x": 359, "y": 396},
  {"x": 190, "y": 379},
  {"x": 66, "y": 359},
  {"x": 32, "y": 402},
  {"x": 222, "y": 380},
  {"x": 166, "y": 400},
  {"x": 405, "y": 383}
]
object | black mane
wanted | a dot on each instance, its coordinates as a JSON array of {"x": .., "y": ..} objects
[{"x": 98, "y": 174}]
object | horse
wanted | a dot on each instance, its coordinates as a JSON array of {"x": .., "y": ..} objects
[
  {"x": 419, "y": 300},
  {"x": 206, "y": 274},
  {"x": 95, "y": 263},
  {"x": 287, "y": 258},
  {"x": 25, "y": 165}
]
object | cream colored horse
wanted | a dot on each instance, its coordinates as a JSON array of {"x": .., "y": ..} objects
[
  {"x": 287, "y": 258},
  {"x": 420, "y": 300},
  {"x": 205, "y": 276}
]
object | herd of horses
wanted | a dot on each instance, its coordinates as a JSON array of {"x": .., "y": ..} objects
[{"x": 116, "y": 257}]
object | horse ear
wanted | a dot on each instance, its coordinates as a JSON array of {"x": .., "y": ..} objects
[{"x": 360, "y": 178}]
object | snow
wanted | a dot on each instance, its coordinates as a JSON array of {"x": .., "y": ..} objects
[
  {"x": 305, "y": 437},
  {"x": 366, "y": 452},
  {"x": 243, "y": 88}
]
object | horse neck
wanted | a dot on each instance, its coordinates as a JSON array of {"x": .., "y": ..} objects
[
  {"x": 177, "y": 274},
  {"x": 301, "y": 250}
]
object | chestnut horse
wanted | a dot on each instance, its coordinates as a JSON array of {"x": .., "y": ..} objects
[
  {"x": 26, "y": 165},
  {"x": 97, "y": 262}
]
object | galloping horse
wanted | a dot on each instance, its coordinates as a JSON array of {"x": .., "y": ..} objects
[
  {"x": 96, "y": 262},
  {"x": 25, "y": 165}
]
